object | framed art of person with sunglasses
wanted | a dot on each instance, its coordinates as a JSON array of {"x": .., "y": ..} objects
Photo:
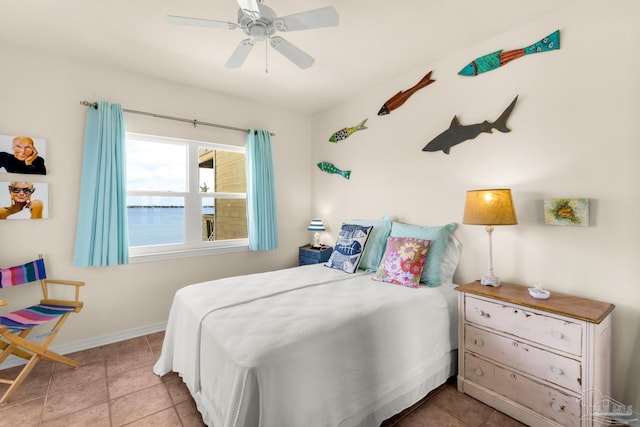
[{"x": 22, "y": 204}]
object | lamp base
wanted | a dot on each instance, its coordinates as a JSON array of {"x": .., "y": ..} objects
[{"x": 490, "y": 280}]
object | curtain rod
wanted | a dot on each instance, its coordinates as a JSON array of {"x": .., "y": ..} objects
[{"x": 161, "y": 116}]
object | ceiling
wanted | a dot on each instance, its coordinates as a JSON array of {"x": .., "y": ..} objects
[{"x": 375, "y": 40}]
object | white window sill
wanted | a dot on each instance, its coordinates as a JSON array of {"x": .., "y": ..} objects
[{"x": 135, "y": 258}]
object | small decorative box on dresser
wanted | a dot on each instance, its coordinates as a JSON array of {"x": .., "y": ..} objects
[
  {"x": 310, "y": 255},
  {"x": 543, "y": 362}
]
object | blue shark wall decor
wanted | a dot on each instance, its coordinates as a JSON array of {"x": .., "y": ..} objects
[{"x": 458, "y": 133}]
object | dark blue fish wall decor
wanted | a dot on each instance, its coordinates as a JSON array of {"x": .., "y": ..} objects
[
  {"x": 458, "y": 133},
  {"x": 330, "y": 168},
  {"x": 400, "y": 98},
  {"x": 346, "y": 132},
  {"x": 499, "y": 58}
]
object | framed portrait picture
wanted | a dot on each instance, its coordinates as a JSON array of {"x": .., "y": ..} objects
[
  {"x": 23, "y": 154},
  {"x": 24, "y": 200}
]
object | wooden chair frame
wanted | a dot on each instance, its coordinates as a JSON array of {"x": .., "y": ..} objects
[{"x": 15, "y": 342}]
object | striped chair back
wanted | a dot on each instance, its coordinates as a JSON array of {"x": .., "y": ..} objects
[{"x": 21, "y": 274}]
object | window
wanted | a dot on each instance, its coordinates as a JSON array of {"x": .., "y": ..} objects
[{"x": 184, "y": 196}]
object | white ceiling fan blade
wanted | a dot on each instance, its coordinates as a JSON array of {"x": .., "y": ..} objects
[
  {"x": 295, "y": 55},
  {"x": 318, "y": 18},
  {"x": 250, "y": 9},
  {"x": 240, "y": 54},
  {"x": 198, "y": 22}
]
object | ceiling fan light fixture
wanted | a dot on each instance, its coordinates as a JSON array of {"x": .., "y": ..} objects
[
  {"x": 260, "y": 23},
  {"x": 258, "y": 33}
]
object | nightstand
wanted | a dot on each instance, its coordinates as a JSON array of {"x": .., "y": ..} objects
[
  {"x": 308, "y": 255},
  {"x": 542, "y": 362}
]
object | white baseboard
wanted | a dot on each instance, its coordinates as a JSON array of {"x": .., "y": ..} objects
[{"x": 93, "y": 342}]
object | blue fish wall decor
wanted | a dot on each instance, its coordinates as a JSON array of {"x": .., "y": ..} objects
[
  {"x": 458, "y": 133},
  {"x": 330, "y": 168},
  {"x": 499, "y": 58}
]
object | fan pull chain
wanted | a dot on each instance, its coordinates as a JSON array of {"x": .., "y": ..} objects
[{"x": 266, "y": 56}]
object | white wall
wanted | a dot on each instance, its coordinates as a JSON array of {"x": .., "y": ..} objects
[
  {"x": 40, "y": 95},
  {"x": 574, "y": 134}
]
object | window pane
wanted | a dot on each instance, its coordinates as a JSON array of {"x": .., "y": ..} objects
[
  {"x": 155, "y": 220},
  {"x": 208, "y": 219},
  {"x": 231, "y": 219},
  {"x": 156, "y": 166},
  {"x": 230, "y": 172},
  {"x": 206, "y": 157},
  {"x": 224, "y": 219}
]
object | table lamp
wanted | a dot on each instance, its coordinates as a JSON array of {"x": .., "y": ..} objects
[
  {"x": 316, "y": 226},
  {"x": 489, "y": 208}
]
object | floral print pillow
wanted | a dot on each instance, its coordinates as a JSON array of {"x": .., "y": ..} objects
[{"x": 403, "y": 261}]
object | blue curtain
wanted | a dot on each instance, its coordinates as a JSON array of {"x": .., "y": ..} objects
[
  {"x": 261, "y": 194},
  {"x": 102, "y": 233}
]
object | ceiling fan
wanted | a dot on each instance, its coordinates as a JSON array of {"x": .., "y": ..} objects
[{"x": 260, "y": 22}]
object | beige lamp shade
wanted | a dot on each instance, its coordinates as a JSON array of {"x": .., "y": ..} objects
[{"x": 489, "y": 207}]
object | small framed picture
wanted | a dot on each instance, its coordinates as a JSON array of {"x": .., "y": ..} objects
[
  {"x": 567, "y": 212},
  {"x": 22, "y": 154},
  {"x": 24, "y": 200}
]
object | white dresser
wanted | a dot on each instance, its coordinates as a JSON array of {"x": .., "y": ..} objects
[{"x": 542, "y": 362}]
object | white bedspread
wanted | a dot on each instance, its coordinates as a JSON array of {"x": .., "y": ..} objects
[{"x": 308, "y": 346}]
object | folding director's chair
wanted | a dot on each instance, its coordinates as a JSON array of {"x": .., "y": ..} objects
[{"x": 16, "y": 326}]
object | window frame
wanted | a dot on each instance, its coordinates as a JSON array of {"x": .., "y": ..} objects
[{"x": 193, "y": 244}]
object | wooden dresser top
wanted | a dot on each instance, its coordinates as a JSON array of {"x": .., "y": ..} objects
[{"x": 558, "y": 303}]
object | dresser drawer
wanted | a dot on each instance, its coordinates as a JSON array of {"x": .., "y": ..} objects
[
  {"x": 516, "y": 320},
  {"x": 557, "y": 406},
  {"x": 534, "y": 361}
]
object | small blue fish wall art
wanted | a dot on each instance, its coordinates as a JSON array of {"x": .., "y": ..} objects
[
  {"x": 458, "y": 133},
  {"x": 499, "y": 58},
  {"x": 330, "y": 168},
  {"x": 347, "y": 132}
]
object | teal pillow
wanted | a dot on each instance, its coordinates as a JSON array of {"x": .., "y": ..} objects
[
  {"x": 439, "y": 236},
  {"x": 376, "y": 244}
]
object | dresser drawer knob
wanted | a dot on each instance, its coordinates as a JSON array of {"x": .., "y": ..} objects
[
  {"x": 556, "y": 406},
  {"x": 481, "y": 313},
  {"x": 557, "y": 334},
  {"x": 514, "y": 377},
  {"x": 478, "y": 342},
  {"x": 479, "y": 372},
  {"x": 557, "y": 370}
]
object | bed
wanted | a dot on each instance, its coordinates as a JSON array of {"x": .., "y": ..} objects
[{"x": 311, "y": 346}]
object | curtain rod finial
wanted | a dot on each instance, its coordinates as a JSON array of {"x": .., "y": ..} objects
[{"x": 89, "y": 104}]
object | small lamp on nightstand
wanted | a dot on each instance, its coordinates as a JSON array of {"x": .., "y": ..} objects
[
  {"x": 316, "y": 226},
  {"x": 489, "y": 208}
]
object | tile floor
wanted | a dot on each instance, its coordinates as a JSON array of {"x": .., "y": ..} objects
[{"x": 115, "y": 386}]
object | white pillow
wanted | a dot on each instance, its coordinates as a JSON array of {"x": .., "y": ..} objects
[{"x": 450, "y": 260}]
